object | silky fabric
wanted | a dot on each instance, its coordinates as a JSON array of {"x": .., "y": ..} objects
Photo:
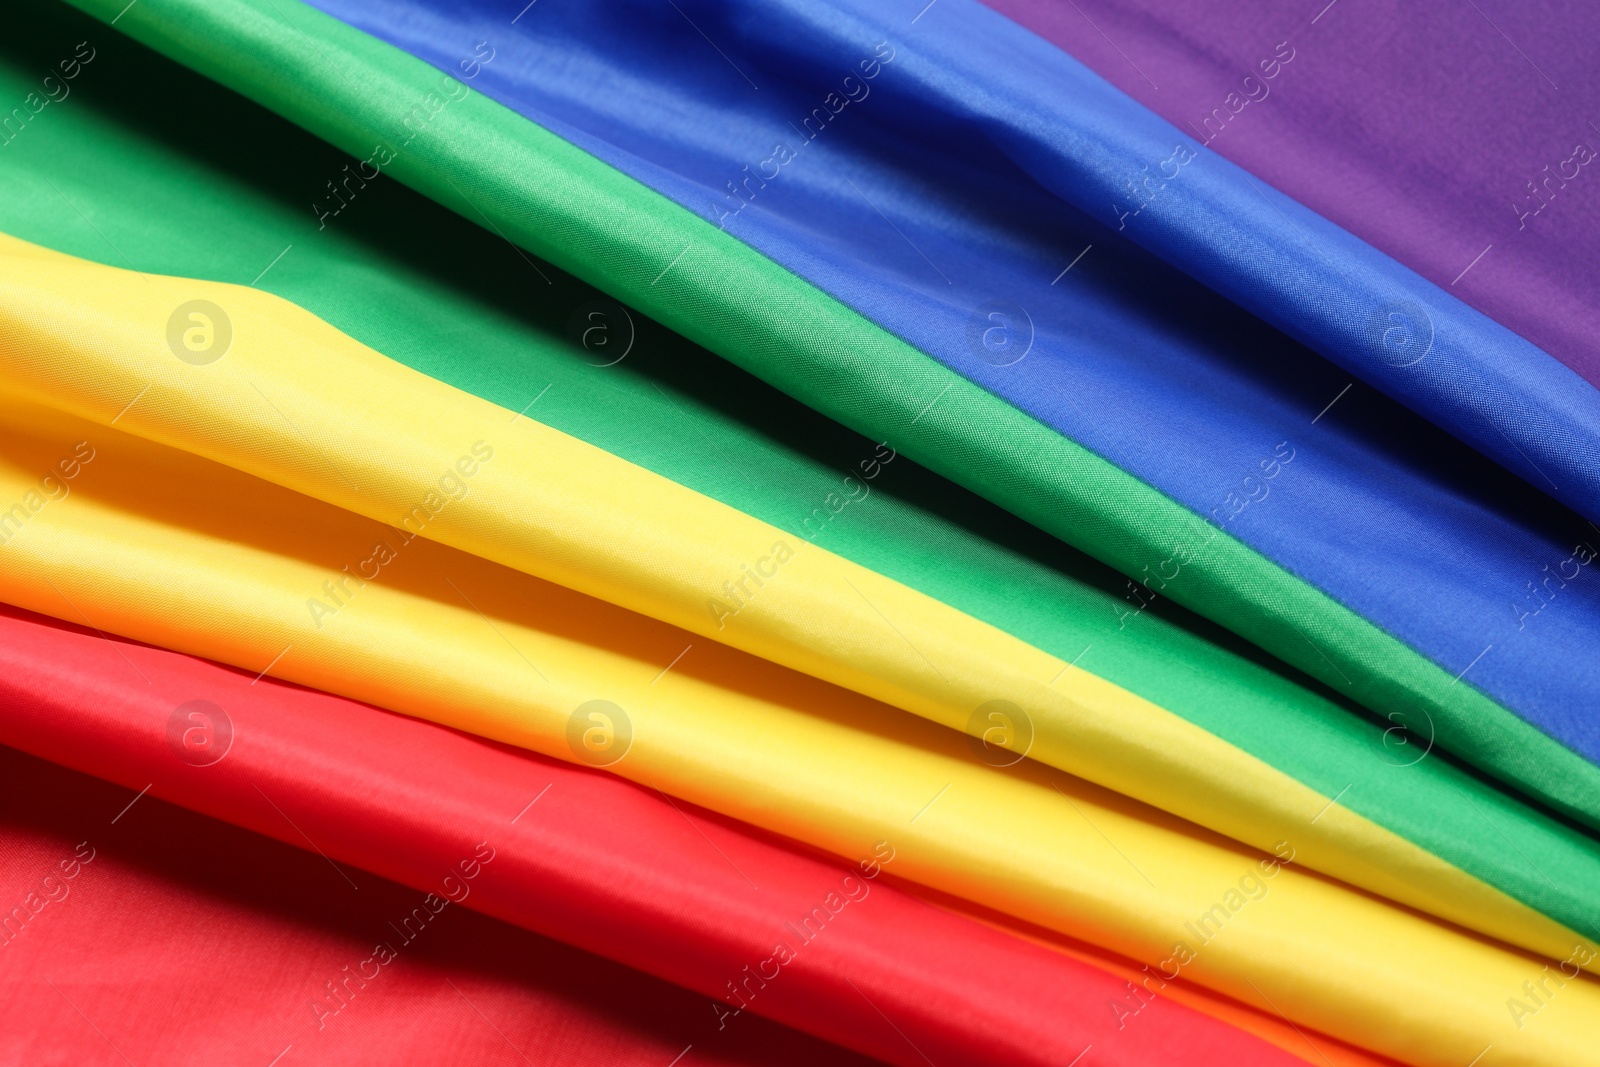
[
  {"x": 584, "y": 217},
  {"x": 439, "y": 299},
  {"x": 592, "y": 860},
  {"x": 162, "y": 936},
  {"x": 336, "y": 597},
  {"x": 181, "y": 552},
  {"x": 1212, "y": 403},
  {"x": 439, "y": 464},
  {"x": 1375, "y": 130}
]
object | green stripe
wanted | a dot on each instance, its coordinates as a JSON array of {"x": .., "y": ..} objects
[{"x": 182, "y": 179}]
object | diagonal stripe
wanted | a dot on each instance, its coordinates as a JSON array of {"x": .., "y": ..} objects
[
  {"x": 441, "y": 465},
  {"x": 144, "y": 542}
]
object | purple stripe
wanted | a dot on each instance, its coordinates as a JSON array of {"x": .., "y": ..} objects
[{"x": 1417, "y": 127}]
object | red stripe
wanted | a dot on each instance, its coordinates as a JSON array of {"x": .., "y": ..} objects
[{"x": 596, "y": 862}]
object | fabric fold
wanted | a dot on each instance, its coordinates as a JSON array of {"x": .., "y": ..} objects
[
  {"x": 171, "y": 549},
  {"x": 744, "y": 307},
  {"x": 351, "y": 486},
  {"x": 439, "y": 465},
  {"x": 583, "y": 857},
  {"x": 1271, "y": 255},
  {"x": 137, "y": 914},
  {"x": 1362, "y": 126}
]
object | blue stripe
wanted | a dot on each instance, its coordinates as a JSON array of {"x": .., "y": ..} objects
[{"x": 928, "y": 178}]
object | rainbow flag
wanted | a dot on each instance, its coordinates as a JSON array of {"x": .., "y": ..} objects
[{"x": 930, "y": 441}]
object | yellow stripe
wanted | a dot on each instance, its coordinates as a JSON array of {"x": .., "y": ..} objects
[
  {"x": 164, "y": 546},
  {"x": 296, "y": 402}
]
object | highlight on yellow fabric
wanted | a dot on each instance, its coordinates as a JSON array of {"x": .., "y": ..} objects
[
  {"x": 254, "y": 382},
  {"x": 1274, "y": 1028},
  {"x": 160, "y": 545}
]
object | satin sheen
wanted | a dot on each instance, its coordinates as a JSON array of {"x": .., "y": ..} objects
[
  {"x": 578, "y": 855},
  {"x": 528, "y": 497},
  {"x": 145, "y": 552},
  {"x": 578, "y": 213},
  {"x": 989, "y": 187},
  {"x": 190, "y": 942},
  {"x": 165, "y": 543},
  {"x": 1375, "y": 130}
]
